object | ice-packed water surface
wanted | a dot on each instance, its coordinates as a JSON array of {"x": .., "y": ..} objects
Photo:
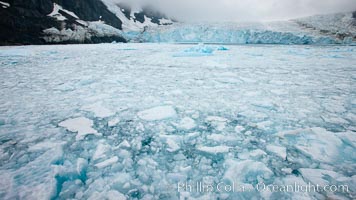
[{"x": 143, "y": 121}]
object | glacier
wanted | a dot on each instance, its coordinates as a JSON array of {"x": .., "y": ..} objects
[
  {"x": 318, "y": 30},
  {"x": 243, "y": 114}
]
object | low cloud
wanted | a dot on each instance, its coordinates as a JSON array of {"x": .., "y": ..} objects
[{"x": 242, "y": 10}]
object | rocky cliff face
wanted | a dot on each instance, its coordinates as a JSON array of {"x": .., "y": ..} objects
[
  {"x": 67, "y": 21},
  {"x": 22, "y": 22},
  {"x": 91, "y": 10}
]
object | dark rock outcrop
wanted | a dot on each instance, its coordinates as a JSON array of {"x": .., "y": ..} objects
[
  {"x": 150, "y": 13},
  {"x": 23, "y": 21},
  {"x": 91, "y": 10}
]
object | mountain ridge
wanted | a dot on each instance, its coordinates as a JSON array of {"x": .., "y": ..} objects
[{"x": 34, "y": 22}]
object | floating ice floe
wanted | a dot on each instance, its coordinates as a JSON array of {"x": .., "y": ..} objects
[
  {"x": 113, "y": 122},
  {"x": 100, "y": 151},
  {"x": 246, "y": 172},
  {"x": 214, "y": 150},
  {"x": 45, "y": 145},
  {"x": 222, "y": 48},
  {"x": 218, "y": 122},
  {"x": 157, "y": 113},
  {"x": 81, "y": 125},
  {"x": 187, "y": 123},
  {"x": 172, "y": 145},
  {"x": 278, "y": 150},
  {"x": 107, "y": 162},
  {"x": 196, "y": 51},
  {"x": 255, "y": 154},
  {"x": 98, "y": 110},
  {"x": 317, "y": 143},
  {"x": 322, "y": 177},
  {"x": 223, "y": 138}
]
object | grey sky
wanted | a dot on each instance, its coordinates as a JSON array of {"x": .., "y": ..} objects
[{"x": 248, "y": 10}]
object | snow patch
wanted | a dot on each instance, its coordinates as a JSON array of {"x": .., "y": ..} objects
[{"x": 4, "y": 4}]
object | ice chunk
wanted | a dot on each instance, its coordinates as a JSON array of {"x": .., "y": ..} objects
[
  {"x": 113, "y": 122},
  {"x": 36, "y": 175},
  {"x": 187, "y": 123},
  {"x": 201, "y": 48},
  {"x": 124, "y": 144},
  {"x": 222, "y": 48},
  {"x": 291, "y": 180},
  {"x": 109, "y": 195},
  {"x": 214, "y": 150},
  {"x": 82, "y": 164},
  {"x": 257, "y": 153},
  {"x": 98, "y": 110},
  {"x": 348, "y": 137},
  {"x": 320, "y": 176},
  {"x": 222, "y": 138},
  {"x": 239, "y": 129},
  {"x": 317, "y": 143},
  {"x": 81, "y": 125},
  {"x": 278, "y": 150},
  {"x": 196, "y": 51},
  {"x": 172, "y": 145},
  {"x": 218, "y": 122},
  {"x": 107, "y": 162},
  {"x": 157, "y": 113},
  {"x": 287, "y": 170},
  {"x": 246, "y": 171},
  {"x": 100, "y": 151},
  {"x": 115, "y": 195},
  {"x": 45, "y": 145}
]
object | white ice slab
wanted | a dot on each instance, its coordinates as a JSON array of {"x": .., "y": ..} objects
[
  {"x": 81, "y": 125},
  {"x": 107, "y": 162},
  {"x": 187, "y": 123},
  {"x": 157, "y": 113},
  {"x": 278, "y": 150},
  {"x": 99, "y": 110},
  {"x": 214, "y": 150}
]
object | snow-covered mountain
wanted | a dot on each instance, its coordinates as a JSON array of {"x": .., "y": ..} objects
[{"x": 64, "y": 21}]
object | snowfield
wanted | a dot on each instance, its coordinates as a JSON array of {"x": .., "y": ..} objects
[{"x": 133, "y": 121}]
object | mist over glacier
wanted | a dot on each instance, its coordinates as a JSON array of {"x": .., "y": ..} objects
[{"x": 239, "y": 10}]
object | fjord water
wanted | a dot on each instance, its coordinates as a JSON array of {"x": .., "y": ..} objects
[{"x": 135, "y": 120}]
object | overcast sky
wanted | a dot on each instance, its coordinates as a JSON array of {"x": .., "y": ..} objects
[{"x": 248, "y": 10}]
